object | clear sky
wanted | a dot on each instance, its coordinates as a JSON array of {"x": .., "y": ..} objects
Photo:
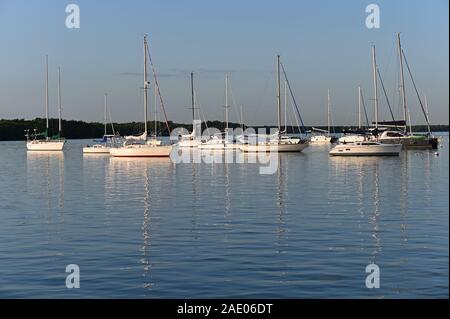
[{"x": 323, "y": 44}]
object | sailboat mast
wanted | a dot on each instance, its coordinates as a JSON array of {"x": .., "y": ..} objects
[
  {"x": 145, "y": 85},
  {"x": 226, "y": 102},
  {"x": 105, "y": 111},
  {"x": 285, "y": 106},
  {"x": 359, "y": 107},
  {"x": 156, "y": 104},
  {"x": 46, "y": 95},
  {"x": 375, "y": 99},
  {"x": 278, "y": 93},
  {"x": 242, "y": 118},
  {"x": 402, "y": 78},
  {"x": 409, "y": 121},
  {"x": 59, "y": 102},
  {"x": 427, "y": 113},
  {"x": 328, "y": 112},
  {"x": 192, "y": 96}
]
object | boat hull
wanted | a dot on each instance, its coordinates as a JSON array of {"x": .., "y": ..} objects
[
  {"x": 410, "y": 142},
  {"x": 96, "y": 150},
  {"x": 218, "y": 146},
  {"x": 141, "y": 151},
  {"x": 434, "y": 143},
  {"x": 366, "y": 150},
  {"x": 51, "y": 145},
  {"x": 273, "y": 147}
]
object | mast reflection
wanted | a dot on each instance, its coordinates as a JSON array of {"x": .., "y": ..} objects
[
  {"x": 282, "y": 191},
  {"x": 45, "y": 180},
  {"x": 146, "y": 179}
]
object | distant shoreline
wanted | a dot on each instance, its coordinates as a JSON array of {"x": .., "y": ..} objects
[{"x": 14, "y": 130}]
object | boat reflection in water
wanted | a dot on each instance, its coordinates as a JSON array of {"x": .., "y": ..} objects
[
  {"x": 149, "y": 227},
  {"x": 282, "y": 194},
  {"x": 378, "y": 181},
  {"x": 145, "y": 180},
  {"x": 45, "y": 181}
]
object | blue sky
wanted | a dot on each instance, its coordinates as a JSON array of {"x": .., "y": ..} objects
[{"x": 323, "y": 44}]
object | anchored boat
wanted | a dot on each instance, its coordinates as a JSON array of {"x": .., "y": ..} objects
[
  {"x": 192, "y": 140},
  {"x": 221, "y": 141},
  {"x": 368, "y": 147},
  {"x": 280, "y": 141},
  {"x": 397, "y": 131},
  {"x": 102, "y": 146},
  {"x": 140, "y": 146},
  {"x": 323, "y": 137},
  {"x": 42, "y": 141}
]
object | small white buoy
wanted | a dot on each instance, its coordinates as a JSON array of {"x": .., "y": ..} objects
[{"x": 436, "y": 153}]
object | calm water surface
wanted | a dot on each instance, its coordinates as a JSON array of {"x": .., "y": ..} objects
[{"x": 151, "y": 228}]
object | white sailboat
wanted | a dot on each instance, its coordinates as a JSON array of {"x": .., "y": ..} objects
[
  {"x": 359, "y": 135},
  {"x": 221, "y": 141},
  {"x": 47, "y": 143},
  {"x": 368, "y": 147},
  {"x": 191, "y": 140},
  {"x": 324, "y": 138},
  {"x": 280, "y": 141},
  {"x": 101, "y": 147},
  {"x": 139, "y": 146}
]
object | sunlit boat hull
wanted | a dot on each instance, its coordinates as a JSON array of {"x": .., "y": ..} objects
[
  {"x": 357, "y": 149},
  {"x": 96, "y": 149},
  {"x": 218, "y": 146},
  {"x": 141, "y": 151},
  {"x": 46, "y": 145},
  {"x": 273, "y": 147}
]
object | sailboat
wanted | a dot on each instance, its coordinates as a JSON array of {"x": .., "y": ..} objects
[
  {"x": 325, "y": 137},
  {"x": 368, "y": 147},
  {"x": 360, "y": 134},
  {"x": 409, "y": 140},
  {"x": 42, "y": 141},
  {"x": 140, "y": 146},
  {"x": 279, "y": 141},
  {"x": 102, "y": 146},
  {"x": 191, "y": 140},
  {"x": 221, "y": 141}
]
